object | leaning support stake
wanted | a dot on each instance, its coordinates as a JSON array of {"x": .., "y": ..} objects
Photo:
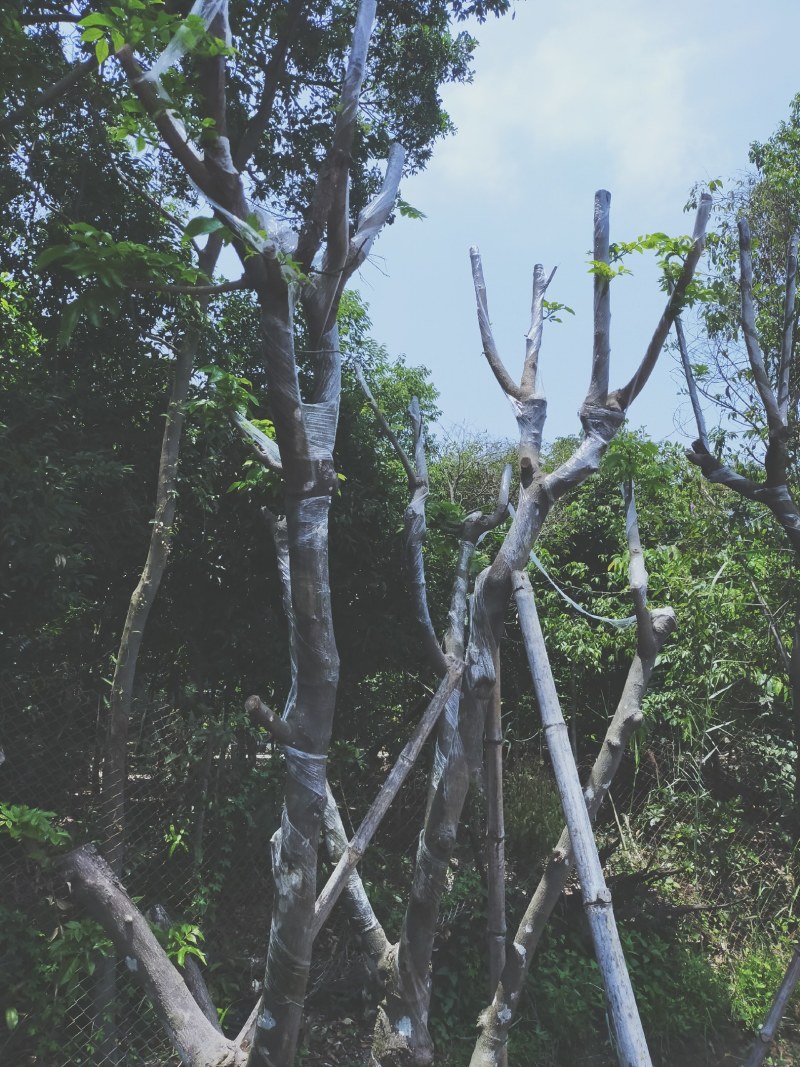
[
  {"x": 766, "y": 1035},
  {"x": 630, "y": 1040}
]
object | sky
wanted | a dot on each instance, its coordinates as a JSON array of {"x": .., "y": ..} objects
[{"x": 641, "y": 98}]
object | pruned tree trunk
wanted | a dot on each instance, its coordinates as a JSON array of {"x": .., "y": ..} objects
[{"x": 401, "y": 1032}]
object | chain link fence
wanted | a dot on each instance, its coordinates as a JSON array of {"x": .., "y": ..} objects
[{"x": 202, "y": 799}]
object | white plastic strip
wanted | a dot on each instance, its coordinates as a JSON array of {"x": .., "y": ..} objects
[
  {"x": 185, "y": 37},
  {"x": 620, "y": 624}
]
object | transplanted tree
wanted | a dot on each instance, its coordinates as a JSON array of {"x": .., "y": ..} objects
[{"x": 298, "y": 271}]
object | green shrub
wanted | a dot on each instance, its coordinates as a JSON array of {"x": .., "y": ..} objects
[
  {"x": 533, "y": 816},
  {"x": 754, "y": 982}
]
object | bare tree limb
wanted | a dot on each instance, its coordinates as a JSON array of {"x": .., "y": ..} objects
[
  {"x": 413, "y": 518},
  {"x": 504, "y": 379},
  {"x": 787, "y": 338},
  {"x": 355, "y": 901},
  {"x": 533, "y": 338},
  {"x": 754, "y": 353},
  {"x": 386, "y": 429},
  {"x": 323, "y": 295},
  {"x": 415, "y": 530},
  {"x": 94, "y": 883},
  {"x": 601, "y": 353},
  {"x": 623, "y": 398},
  {"x": 474, "y": 527},
  {"x": 691, "y": 385},
  {"x": 329, "y": 204},
  {"x": 632, "y": 1048},
  {"x": 190, "y": 971}
]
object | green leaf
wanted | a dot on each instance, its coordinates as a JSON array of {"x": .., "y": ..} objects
[
  {"x": 50, "y": 255},
  {"x": 408, "y": 211},
  {"x": 96, "y": 19},
  {"x": 101, "y": 50},
  {"x": 93, "y": 34},
  {"x": 201, "y": 225},
  {"x": 12, "y": 1018}
]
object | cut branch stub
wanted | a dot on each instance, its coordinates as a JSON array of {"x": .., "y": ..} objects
[
  {"x": 262, "y": 715},
  {"x": 601, "y": 354}
]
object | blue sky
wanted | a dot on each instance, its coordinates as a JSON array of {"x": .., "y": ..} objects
[{"x": 638, "y": 97}]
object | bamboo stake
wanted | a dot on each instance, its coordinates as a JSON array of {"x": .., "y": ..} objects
[
  {"x": 495, "y": 838},
  {"x": 631, "y": 1044}
]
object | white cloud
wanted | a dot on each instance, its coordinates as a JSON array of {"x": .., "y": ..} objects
[{"x": 607, "y": 84}]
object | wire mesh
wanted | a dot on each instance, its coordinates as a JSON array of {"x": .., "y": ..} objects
[{"x": 202, "y": 799}]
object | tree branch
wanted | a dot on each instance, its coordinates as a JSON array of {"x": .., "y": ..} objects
[
  {"x": 265, "y": 449},
  {"x": 754, "y": 353},
  {"x": 601, "y": 352},
  {"x": 50, "y": 95},
  {"x": 194, "y": 290},
  {"x": 386, "y": 429},
  {"x": 691, "y": 385},
  {"x": 389, "y": 790},
  {"x": 533, "y": 339},
  {"x": 275, "y": 67},
  {"x": 329, "y": 203},
  {"x": 95, "y": 885},
  {"x": 190, "y": 971},
  {"x": 627, "y": 1027},
  {"x": 504, "y": 379},
  {"x": 623, "y": 398},
  {"x": 262, "y": 715},
  {"x": 156, "y": 108}
]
